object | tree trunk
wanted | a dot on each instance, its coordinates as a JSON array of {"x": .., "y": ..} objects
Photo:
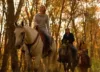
[
  {"x": 60, "y": 19},
  {"x": 10, "y": 39},
  {"x": 18, "y": 10},
  {"x": 73, "y": 22},
  {"x": 73, "y": 18},
  {"x": 5, "y": 60},
  {"x": 36, "y": 6}
]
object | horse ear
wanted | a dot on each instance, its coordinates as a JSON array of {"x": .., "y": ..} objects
[
  {"x": 22, "y": 23},
  {"x": 15, "y": 24}
]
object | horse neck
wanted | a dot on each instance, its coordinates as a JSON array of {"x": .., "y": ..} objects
[{"x": 30, "y": 35}]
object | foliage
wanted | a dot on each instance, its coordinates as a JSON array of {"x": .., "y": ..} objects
[{"x": 79, "y": 15}]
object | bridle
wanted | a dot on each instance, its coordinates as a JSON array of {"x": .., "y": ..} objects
[
  {"x": 23, "y": 38},
  {"x": 28, "y": 45}
]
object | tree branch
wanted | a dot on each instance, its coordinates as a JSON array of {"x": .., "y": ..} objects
[{"x": 18, "y": 10}]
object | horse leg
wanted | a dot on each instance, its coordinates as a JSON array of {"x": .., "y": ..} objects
[
  {"x": 23, "y": 66},
  {"x": 37, "y": 63},
  {"x": 73, "y": 63},
  {"x": 43, "y": 66},
  {"x": 27, "y": 62},
  {"x": 73, "y": 67},
  {"x": 65, "y": 67},
  {"x": 30, "y": 65}
]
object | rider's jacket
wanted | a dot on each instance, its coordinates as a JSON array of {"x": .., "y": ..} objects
[{"x": 68, "y": 37}]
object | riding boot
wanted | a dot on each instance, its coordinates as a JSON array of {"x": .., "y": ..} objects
[{"x": 49, "y": 45}]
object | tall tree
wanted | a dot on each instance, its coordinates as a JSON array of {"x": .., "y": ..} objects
[
  {"x": 10, "y": 34},
  {"x": 10, "y": 48},
  {"x": 60, "y": 19}
]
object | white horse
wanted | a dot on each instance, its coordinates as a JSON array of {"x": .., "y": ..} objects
[{"x": 32, "y": 43}]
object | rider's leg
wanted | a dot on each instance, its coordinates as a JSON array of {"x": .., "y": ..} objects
[
  {"x": 47, "y": 36},
  {"x": 74, "y": 52},
  {"x": 48, "y": 41}
]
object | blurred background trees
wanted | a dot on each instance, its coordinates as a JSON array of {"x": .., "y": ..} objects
[{"x": 82, "y": 16}]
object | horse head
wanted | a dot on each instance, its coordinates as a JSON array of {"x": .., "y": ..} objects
[
  {"x": 65, "y": 49},
  {"x": 67, "y": 45},
  {"x": 19, "y": 34}
]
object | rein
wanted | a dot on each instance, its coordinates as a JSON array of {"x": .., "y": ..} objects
[{"x": 30, "y": 45}]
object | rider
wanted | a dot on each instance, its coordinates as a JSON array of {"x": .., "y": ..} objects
[
  {"x": 83, "y": 47},
  {"x": 70, "y": 38},
  {"x": 41, "y": 22},
  {"x": 83, "y": 50}
]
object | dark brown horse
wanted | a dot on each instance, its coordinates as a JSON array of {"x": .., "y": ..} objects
[
  {"x": 84, "y": 62},
  {"x": 66, "y": 57},
  {"x": 84, "y": 59}
]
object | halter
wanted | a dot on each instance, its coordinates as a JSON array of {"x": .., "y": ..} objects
[{"x": 30, "y": 45}]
